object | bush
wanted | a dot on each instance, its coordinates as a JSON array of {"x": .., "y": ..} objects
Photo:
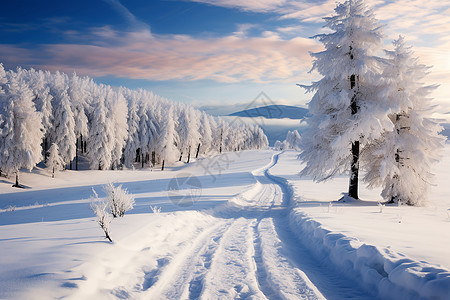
[
  {"x": 119, "y": 200},
  {"x": 100, "y": 208}
]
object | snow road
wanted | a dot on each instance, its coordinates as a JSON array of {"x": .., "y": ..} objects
[{"x": 243, "y": 249}]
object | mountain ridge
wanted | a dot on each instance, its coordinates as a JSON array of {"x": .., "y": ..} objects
[{"x": 273, "y": 112}]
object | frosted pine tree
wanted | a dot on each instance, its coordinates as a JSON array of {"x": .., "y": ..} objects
[
  {"x": 147, "y": 131},
  {"x": 182, "y": 129},
  {"x": 101, "y": 135},
  {"x": 21, "y": 128},
  {"x": 345, "y": 115},
  {"x": 63, "y": 130},
  {"x": 402, "y": 158},
  {"x": 80, "y": 96},
  {"x": 3, "y": 116},
  {"x": 54, "y": 161},
  {"x": 167, "y": 139},
  {"x": 133, "y": 142},
  {"x": 205, "y": 135},
  {"x": 117, "y": 114},
  {"x": 193, "y": 134},
  {"x": 293, "y": 140}
]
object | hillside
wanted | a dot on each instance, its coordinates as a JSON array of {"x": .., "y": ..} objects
[{"x": 273, "y": 112}]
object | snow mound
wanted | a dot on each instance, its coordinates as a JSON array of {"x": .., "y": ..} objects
[{"x": 390, "y": 274}]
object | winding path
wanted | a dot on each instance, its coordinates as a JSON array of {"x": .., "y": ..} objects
[{"x": 248, "y": 252}]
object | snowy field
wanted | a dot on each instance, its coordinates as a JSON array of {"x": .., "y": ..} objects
[{"x": 248, "y": 228}]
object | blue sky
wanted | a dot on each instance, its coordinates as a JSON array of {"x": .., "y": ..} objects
[{"x": 205, "y": 52}]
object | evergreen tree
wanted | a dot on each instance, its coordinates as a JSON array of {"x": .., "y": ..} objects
[
  {"x": 345, "y": 113},
  {"x": 133, "y": 141},
  {"x": 401, "y": 159},
  {"x": 117, "y": 114},
  {"x": 205, "y": 133},
  {"x": 21, "y": 128},
  {"x": 167, "y": 139},
  {"x": 101, "y": 136},
  {"x": 63, "y": 130},
  {"x": 54, "y": 161},
  {"x": 148, "y": 131},
  {"x": 80, "y": 96}
]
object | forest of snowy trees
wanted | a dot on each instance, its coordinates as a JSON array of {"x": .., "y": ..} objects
[
  {"x": 55, "y": 118},
  {"x": 370, "y": 111}
]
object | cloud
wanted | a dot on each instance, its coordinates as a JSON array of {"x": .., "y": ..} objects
[
  {"x": 248, "y": 5},
  {"x": 125, "y": 12},
  {"x": 141, "y": 55}
]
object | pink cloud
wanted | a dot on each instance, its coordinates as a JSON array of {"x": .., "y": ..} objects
[{"x": 141, "y": 55}]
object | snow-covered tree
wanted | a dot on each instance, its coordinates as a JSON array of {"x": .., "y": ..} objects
[
  {"x": 80, "y": 96},
  {"x": 345, "y": 115},
  {"x": 133, "y": 142},
  {"x": 38, "y": 84},
  {"x": 111, "y": 126},
  {"x": 400, "y": 161},
  {"x": 292, "y": 140},
  {"x": 63, "y": 130},
  {"x": 117, "y": 114},
  {"x": 21, "y": 129},
  {"x": 147, "y": 131},
  {"x": 167, "y": 139},
  {"x": 54, "y": 161},
  {"x": 205, "y": 134},
  {"x": 100, "y": 208},
  {"x": 101, "y": 136},
  {"x": 119, "y": 200},
  {"x": 193, "y": 133}
]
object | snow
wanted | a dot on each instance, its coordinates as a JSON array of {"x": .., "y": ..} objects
[
  {"x": 255, "y": 231},
  {"x": 402, "y": 252}
]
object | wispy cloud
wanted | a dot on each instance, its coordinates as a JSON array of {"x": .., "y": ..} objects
[
  {"x": 141, "y": 55},
  {"x": 132, "y": 20}
]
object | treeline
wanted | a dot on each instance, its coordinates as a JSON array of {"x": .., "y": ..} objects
[{"x": 111, "y": 127}]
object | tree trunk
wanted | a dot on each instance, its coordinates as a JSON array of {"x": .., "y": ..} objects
[
  {"x": 17, "y": 180},
  {"x": 181, "y": 156},
  {"x": 189, "y": 155},
  {"x": 45, "y": 149},
  {"x": 53, "y": 172},
  {"x": 221, "y": 135},
  {"x": 153, "y": 158},
  {"x": 162, "y": 166},
  {"x": 198, "y": 150},
  {"x": 142, "y": 160},
  {"x": 354, "y": 169},
  {"x": 76, "y": 158}
]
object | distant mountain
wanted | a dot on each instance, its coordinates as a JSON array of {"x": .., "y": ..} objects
[{"x": 273, "y": 112}]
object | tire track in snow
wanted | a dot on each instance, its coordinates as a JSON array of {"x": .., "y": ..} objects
[
  {"x": 183, "y": 275},
  {"x": 232, "y": 274},
  {"x": 331, "y": 283}
]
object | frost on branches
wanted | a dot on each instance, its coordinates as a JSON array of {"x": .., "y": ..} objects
[
  {"x": 400, "y": 161},
  {"x": 111, "y": 128},
  {"x": 292, "y": 142},
  {"x": 119, "y": 200},
  {"x": 100, "y": 208},
  {"x": 20, "y": 127},
  {"x": 345, "y": 112},
  {"x": 54, "y": 161},
  {"x": 370, "y": 106}
]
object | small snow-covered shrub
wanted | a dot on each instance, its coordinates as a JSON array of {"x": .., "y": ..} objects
[
  {"x": 155, "y": 209},
  {"x": 100, "y": 208},
  {"x": 119, "y": 200}
]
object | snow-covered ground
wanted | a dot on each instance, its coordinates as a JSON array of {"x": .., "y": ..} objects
[{"x": 232, "y": 231}]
